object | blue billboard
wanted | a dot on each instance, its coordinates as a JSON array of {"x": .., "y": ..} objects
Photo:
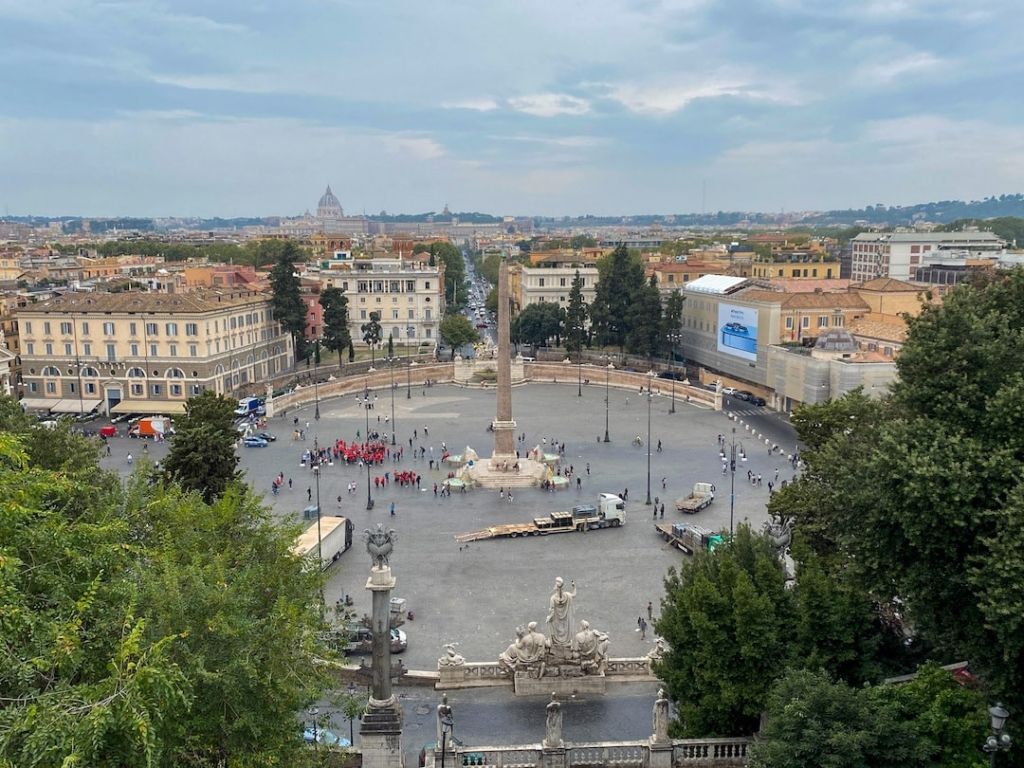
[{"x": 737, "y": 331}]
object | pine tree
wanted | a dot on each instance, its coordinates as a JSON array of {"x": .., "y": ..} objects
[
  {"x": 337, "y": 335},
  {"x": 289, "y": 309},
  {"x": 575, "y": 317}
]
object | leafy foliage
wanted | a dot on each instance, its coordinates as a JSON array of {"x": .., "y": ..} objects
[
  {"x": 457, "y": 330},
  {"x": 537, "y": 324},
  {"x": 337, "y": 335},
  {"x": 289, "y": 309},
  {"x": 929, "y": 722},
  {"x": 621, "y": 278},
  {"x": 575, "y": 316},
  {"x": 202, "y": 456}
]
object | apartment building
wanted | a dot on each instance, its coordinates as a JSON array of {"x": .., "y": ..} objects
[
  {"x": 146, "y": 352},
  {"x": 904, "y": 255},
  {"x": 409, "y": 295},
  {"x": 549, "y": 279}
]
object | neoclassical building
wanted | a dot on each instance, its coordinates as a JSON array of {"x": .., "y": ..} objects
[{"x": 146, "y": 352}]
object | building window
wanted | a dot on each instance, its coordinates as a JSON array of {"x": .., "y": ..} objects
[
  {"x": 49, "y": 349},
  {"x": 789, "y": 323},
  {"x": 191, "y": 329},
  {"x": 30, "y": 348},
  {"x": 171, "y": 329},
  {"x": 137, "y": 390},
  {"x": 90, "y": 388},
  {"x": 176, "y": 390},
  {"x": 67, "y": 350},
  {"x": 193, "y": 350},
  {"x": 172, "y": 350},
  {"x": 111, "y": 352},
  {"x": 133, "y": 349},
  {"x": 108, "y": 329},
  {"x": 837, "y": 321},
  {"x": 87, "y": 349},
  {"x": 196, "y": 389},
  {"x": 51, "y": 387},
  {"x": 136, "y": 373},
  {"x": 46, "y": 328},
  {"x": 561, "y": 282},
  {"x": 805, "y": 322},
  {"x": 426, "y": 285},
  {"x": 152, "y": 329},
  {"x": 28, "y": 326},
  {"x": 85, "y": 329},
  {"x": 152, "y": 350},
  {"x": 426, "y": 313},
  {"x": 822, "y": 321},
  {"x": 540, "y": 281},
  {"x": 410, "y": 286},
  {"x": 394, "y": 314},
  {"x": 412, "y": 314},
  {"x": 133, "y": 329},
  {"x": 362, "y": 314},
  {"x": 65, "y": 328},
  {"x": 155, "y": 390}
]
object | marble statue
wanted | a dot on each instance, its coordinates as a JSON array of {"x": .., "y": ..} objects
[
  {"x": 779, "y": 531},
  {"x": 660, "y": 718},
  {"x": 592, "y": 647},
  {"x": 451, "y": 658},
  {"x": 553, "y": 724},
  {"x": 527, "y": 652},
  {"x": 560, "y": 615},
  {"x": 657, "y": 653},
  {"x": 380, "y": 543},
  {"x": 444, "y": 718}
]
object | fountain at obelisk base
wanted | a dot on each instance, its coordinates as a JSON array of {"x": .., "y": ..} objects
[
  {"x": 505, "y": 469},
  {"x": 381, "y": 729}
]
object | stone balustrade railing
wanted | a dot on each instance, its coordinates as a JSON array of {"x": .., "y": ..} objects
[
  {"x": 567, "y": 373},
  {"x": 709, "y": 753},
  {"x": 489, "y": 673}
]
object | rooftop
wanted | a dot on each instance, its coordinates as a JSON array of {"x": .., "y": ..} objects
[
  {"x": 716, "y": 284},
  {"x": 195, "y": 301}
]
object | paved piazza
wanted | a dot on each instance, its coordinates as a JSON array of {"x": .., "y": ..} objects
[{"x": 476, "y": 596}]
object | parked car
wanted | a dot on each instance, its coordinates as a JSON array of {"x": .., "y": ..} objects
[
  {"x": 729, "y": 391},
  {"x": 755, "y": 400},
  {"x": 108, "y": 430},
  {"x": 360, "y": 640},
  {"x": 267, "y": 436},
  {"x": 743, "y": 395},
  {"x": 254, "y": 441}
]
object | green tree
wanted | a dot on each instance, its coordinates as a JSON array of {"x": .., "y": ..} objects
[
  {"x": 725, "y": 616},
  {"x": 456, "y": 293},
  {"x": 538, "y": 323},
  {"x": 582, "y": 241},
  {"x": 372, "y": 333},
  {"x": 337, "y": 335},
  {"x": 620, "y": 280},
  {"x": 202, "y": 456},
  {"x": 286, "y": 300},
  {"x": 929, "y": 722},
  {"x": 576, "y": 317},
  {"x": 391, "y": 345},
  {"x": 645, "y": 323},
  {"x": 456, "y": 330},
  {"x": 491, "y": 302}
]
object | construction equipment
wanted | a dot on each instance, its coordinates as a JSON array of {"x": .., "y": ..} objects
[{"x": 689, "y": 538}]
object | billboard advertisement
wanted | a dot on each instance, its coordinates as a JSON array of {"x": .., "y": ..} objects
[{"x": 737, "y": 331}]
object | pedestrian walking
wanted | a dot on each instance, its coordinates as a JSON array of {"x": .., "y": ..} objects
[
  {"x": 392, "y": 509},
  {"x": 659, "y": 446},
  {"x": 289, "y": 483},
  {"x": 650, "y": 609},
  {"x": 309, "y": 494},
  {"x": 655, "y": 517},
  {"x": 588, "y": 467},
  {"x": 643, "y": 629},
  {"x": 663, "y": 483},
  {"x": 639, "y": 621},
  {"x": 663, "y": 510}
]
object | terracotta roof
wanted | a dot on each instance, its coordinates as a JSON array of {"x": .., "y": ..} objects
[
  {"x": 827, "y": 285},
  {"x": 824, "y": 301},
  {"x": 195, "y": 301},
  {"x": 889, "y": 284},
  {"x": 878, "y": 329}
]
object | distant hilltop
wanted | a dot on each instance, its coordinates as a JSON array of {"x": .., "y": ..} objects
[{"x": 942, "y": 212}]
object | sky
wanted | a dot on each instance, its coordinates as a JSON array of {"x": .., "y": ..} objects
[{"x": 515, "y": 107}]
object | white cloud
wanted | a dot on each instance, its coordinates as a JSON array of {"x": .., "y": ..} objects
[
  {"x": 415, "y": 147},
  {"x": 668, "y": 97},
  {"x": 550, "y": 104},
  {"x": 567, "y": 142},
  {"x": 484, "y": 104},
  {"x": 886, "y": 72}
]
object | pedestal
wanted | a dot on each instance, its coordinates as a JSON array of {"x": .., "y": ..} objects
[
  {"x": 524, "y": 685},
  {"x": 661, "y": 755},
  {"x": 554, "y": 757},
  {"x": 380, "y": 736},
  {"x": 381, "y": 729}
]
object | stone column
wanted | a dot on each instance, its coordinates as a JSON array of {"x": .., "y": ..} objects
[
  {"x": 504, "y": 426},
  {"x": 381, "y": 729},
  {"x": 268, "y": 400}
]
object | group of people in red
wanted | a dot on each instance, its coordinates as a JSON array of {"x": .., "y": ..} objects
[
  {"x": 370, "y": 452},
  {"x": 405, "y": 478}
]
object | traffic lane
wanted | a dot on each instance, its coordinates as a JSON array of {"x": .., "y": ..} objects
[{"x": 772, "y": 424}]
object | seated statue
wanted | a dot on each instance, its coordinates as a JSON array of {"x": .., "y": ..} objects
[
  {"x": 527, "y": 652},
  {"x": 592, "y": 647},
  {"x": 451, "y": 657}
]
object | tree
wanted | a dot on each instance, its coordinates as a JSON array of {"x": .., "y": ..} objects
[
  {"x": 286, "y": 301},
  {"x": 202, "y": 456},
  {"x": 491, "y": 302},
  {"x": 936, "y": 531},
  {"x": 391, "y": 345},
  {"x": 645, "y": 321},
  {"x": 450, "y": 256},
  {"x": 725, "y": 616},
  {"x": 372, "y": 333},
  {"x": 620, "y": 279},
  {"x": 456, "y": 330},
  {"x": 538, "y": 323},
  {"x": 931, "y": 721},
  {"x": 575, "y": 317},
  {"x": 672, "y": 316},
  {"x": 337, "y": 335}
]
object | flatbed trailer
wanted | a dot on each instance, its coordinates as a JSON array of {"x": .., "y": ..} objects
[
  {"x": 610, "y": 513},
  {"x": 688, "y": 538}
]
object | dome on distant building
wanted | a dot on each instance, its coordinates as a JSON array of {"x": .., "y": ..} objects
[{"x": 329, "y": 207}]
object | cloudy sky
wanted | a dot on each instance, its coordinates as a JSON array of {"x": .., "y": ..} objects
[{"x": 221, "y": 107}]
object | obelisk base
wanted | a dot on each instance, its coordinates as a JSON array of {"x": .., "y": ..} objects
[
  {"x": 507, "y": 472},
  {"x": 380, "y": 735}
]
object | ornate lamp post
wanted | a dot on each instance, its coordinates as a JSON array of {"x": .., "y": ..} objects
[
  {"x": 650, "y": 397},
  {"x": 316, "y": 377},
  {"x": 673, "y": 339},
  {"x": 607, "y": 376},
  {"x": 998, "y": 741},
  {"x": 366, "y": 408},
  {"x": 408, "y": 373},
  {"x": 391, "y": 365},
  {"x": 314, "y": 713},
  {"x": 732, "y": 473}
]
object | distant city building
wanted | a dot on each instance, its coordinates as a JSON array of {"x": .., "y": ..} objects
[
  {"x": 147, "y": 352},
  {"x": 549, "y": 279},
  {"x": 409, "y": 295},
  {"x": 903, "y": 255}
]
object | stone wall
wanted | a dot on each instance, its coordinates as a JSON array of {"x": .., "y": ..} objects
[{"x": 567, "y": 373}]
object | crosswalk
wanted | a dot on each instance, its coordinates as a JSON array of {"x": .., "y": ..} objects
[{"x": 749, "y": 412}]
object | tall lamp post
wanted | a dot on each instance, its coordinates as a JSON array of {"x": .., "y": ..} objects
[
  {"x": 447, "y": 723},
  {"x": 673, "y": 339},
  {"x": 391, "y": 365},
  {"x": 408, "y": 373},
  {"x": 316, "y": 377},
  {"x": 650, "y": 397},
  {"x": 319, "y": 538},
  {"x": 732, "y": 473},
  {"x": 366, "y": 407},
  {"x": 314, "y": 713},
  {"x": 998, "y": 741},
  {"x": 607, "y": 376}
]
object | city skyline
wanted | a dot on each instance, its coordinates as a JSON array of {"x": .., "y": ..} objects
[{"x": 174, "y": 109}]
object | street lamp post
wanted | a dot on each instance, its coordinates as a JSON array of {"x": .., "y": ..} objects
[
  {"x": 444, "y": 713},
  {"x": 607, "y": 376},
  {"x": 732, "y": 479},
  {"x": 366, "y": 407},
  {"x": 997, "y": 741},
  {"x": 579, "y": 371},
  {"x": 319, "y": 539},
  {"x": 408, "y": 373},
  {"x": 316, "y": 377},
  {"x": 673, "y": 338},
  {"x": 391, "y": 365},
  {"x": 650, "y": 397}
]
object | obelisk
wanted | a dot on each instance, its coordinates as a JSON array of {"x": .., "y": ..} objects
[{"x": 504, "y": 426}]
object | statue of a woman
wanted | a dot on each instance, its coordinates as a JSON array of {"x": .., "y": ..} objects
[
  {"x": 553, "y": 724},
  {"x": 560, "y": 618}
]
